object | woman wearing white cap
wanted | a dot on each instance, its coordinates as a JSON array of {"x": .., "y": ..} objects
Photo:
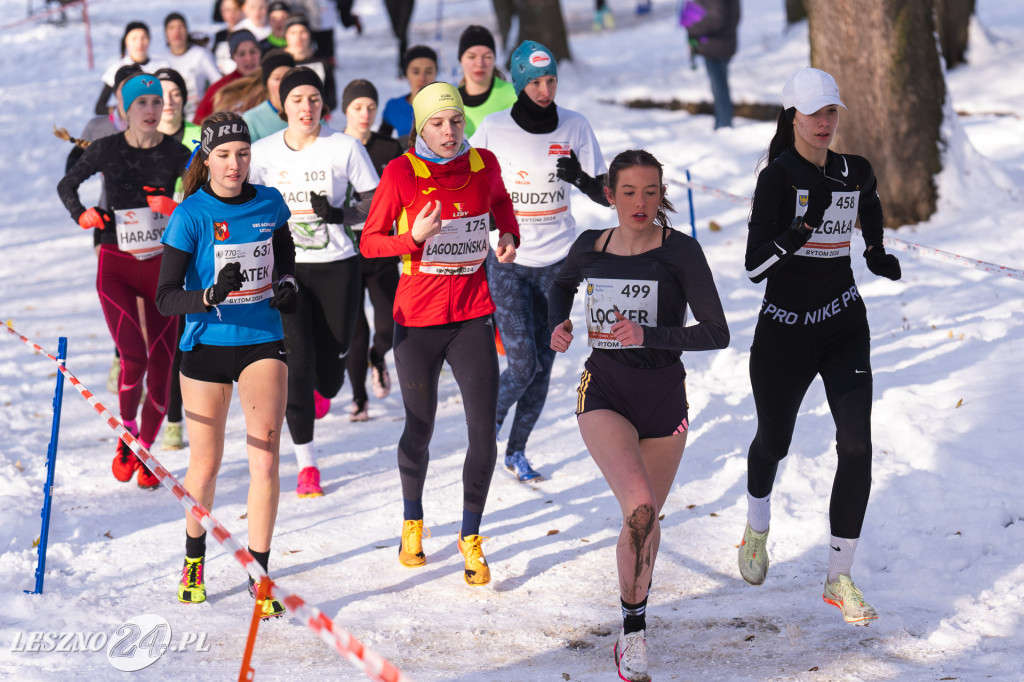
[
  {"x": 439, "y": 195},
  {"x": 813, "y": 320}
]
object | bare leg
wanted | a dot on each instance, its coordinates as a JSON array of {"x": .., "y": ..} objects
[
  {"x": 263, "y": 392},
  {"x": 640, "y": 474},
  {"x": 206, "y": 412}
]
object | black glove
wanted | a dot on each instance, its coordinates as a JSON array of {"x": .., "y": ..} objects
[
  {"x": 883, "y": 264},
  {"x": 285, "y": 296},
  {"x": 799, "y": 232},
  {"x": 324, "y": 211},
  {"x": 569, "y": 169},
  {"x": 228, "y": 279},
  {"x": 819, "y": 198}
]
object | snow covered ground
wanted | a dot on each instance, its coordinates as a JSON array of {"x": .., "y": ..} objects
[{"x": 938, "y": 556}]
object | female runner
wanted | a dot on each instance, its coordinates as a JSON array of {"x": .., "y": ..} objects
[
  {"x": 379, "y": 275},
  {"x": 483, "y": 92},
  {"x": 813, "y": 320},
  {"x": 540, "y": 147},
  {"x": 440, "y": 195},
  {"x": 640, "y": 277},
  {"x": 140, "y": 167},
  {"x": 316, "y": 167},
  {"x": 227, "y": 267}
]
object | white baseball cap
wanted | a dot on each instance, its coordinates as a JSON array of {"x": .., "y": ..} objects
[{"x": 809, "y": 90}]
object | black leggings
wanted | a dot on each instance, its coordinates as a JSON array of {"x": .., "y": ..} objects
[
  {"x": 380, "y": 280},
  {"x": 317, "y": 337},
  {"x": 783, "y": 362},
  {"x": 469, "y": 349}
]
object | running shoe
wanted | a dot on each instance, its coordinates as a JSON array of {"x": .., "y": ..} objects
[
  {"x": 753, "y": 556},
  {"x": 358, "y": 412},
  {"x": 271, "y": 608},
  {"x": 192, "y": 589},
  {"x": 125, "y": 462},
  {"x": 845, "y": 596},
  {"x": 520, "y": 468},
  {"x": 114, "y": 375},
  {"x": 603, "y": 19},
  {"x": 172, "y": 437},
  {"x": 410, "y": 552},
  {"x": 309, "y": 483},
  {"x": 321, "y": 405},
  {"x": 477, "y": 571},
  {"x": 380, "y": 380},
  {"x": 631, "y": 656},
  {"x": 146, "y": 479}
]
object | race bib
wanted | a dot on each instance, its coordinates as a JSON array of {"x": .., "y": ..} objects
[
  {"x": 257, "y": 259},
  {"x": 635, "y": 299},
  {"x": 832, "y": 238},
  {"x": 458, "y": 249},
  {"x": 139, "y": 231},
  {"x": 538, "y": 196}
]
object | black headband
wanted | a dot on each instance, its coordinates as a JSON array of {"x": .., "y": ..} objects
[
  {"x": 216, "y": 134},
  {"x": 301, "y": 75}
]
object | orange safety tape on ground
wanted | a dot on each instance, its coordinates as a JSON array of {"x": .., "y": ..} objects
[{"x": 373, "y": 665}]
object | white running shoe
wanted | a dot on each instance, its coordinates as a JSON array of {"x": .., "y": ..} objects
[
  {"x": 631, "y": 657},
  {"x": 753, "y": 556},
  {"x": 380, "y": 380},
  {"x": 845, "y": 596}
]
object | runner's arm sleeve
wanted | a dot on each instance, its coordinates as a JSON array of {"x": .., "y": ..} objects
[
  {"x": 85, "y": 167},
  {"x": 563, "y": 290},
  {"x": 770, "y": 242},
  {"x": 358, "y": 212},
  {"x": 101, "y": 103},
  {"x": 711, "y": 331},
  {"x": 284, "y": 251},
  {"x": 501, "y": 203},
  {"x": 869, "y": 208},
  {"x": 171, "y": 296}
]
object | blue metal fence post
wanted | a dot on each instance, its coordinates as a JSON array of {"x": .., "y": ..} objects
[
  {"x": 689, "y": 195},
  {"x": 51, "y": 465}
]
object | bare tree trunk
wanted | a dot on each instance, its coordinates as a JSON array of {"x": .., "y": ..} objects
[
  {"x": 795, "y": 11},
  {"x": 954, "y": 19},
  {"x": 542, "y": 21},
  {"x": 884, "y": 57},
  {"x": 503, "y": 13}
]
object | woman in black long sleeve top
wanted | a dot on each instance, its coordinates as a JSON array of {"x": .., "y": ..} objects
[
  {"x": 812, "y": 321},
  {"x": 631, "y": 408}
]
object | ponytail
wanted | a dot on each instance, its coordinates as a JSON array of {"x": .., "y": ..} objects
[{"x": 783, "y": 138}]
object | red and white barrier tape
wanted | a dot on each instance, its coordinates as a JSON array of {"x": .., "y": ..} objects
[
  {"x": 890, "y": 242},
  {"x": 39, "y": 15},
  {"x": 364, "y": 658}
]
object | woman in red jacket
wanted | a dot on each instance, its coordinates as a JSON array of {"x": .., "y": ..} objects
[{"x": 439, "y": 195}]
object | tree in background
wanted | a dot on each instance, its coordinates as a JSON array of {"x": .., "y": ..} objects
[
  {"x": 954, "y": 21},
  {"x": 539, "y": 20},
  {"x": 884, "y": 57}
]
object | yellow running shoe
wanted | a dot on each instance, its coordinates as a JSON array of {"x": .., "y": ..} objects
[
  {"x": 845, "y": 596},
  {"x": 270, "y": 607},
  {"x": 192, "y": 589},
  {"x": 477, "y": 571},
  {"x": 410, "y": 553}
]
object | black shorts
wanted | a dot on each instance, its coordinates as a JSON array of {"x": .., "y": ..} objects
[
  {"x": 224, "y": 364},
  {"x": 653, "y": 400}
]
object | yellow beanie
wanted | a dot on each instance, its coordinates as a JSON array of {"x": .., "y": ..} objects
[{"x": 433, "y": 98}]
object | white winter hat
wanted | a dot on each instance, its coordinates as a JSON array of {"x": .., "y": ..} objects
[{"x": 809, "y": 90}]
